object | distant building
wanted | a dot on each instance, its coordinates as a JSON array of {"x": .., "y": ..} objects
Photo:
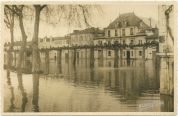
[
  {"x": 54, "y": 42},
  {"x": 16, "y": 47},
  {"x": 85, "y": 37},
  {"x": 127, "y": 29}
]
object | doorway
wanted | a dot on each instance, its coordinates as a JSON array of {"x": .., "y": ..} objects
[
  {"x": 128, "y": 54},
  {"x": 100, "y": 54}
]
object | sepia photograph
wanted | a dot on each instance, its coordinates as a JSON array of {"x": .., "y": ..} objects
[{"x": 77, "y": 57}]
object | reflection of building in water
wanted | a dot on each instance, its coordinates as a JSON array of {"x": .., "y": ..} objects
[
  {"x": 167, "y": 103},
  {"x": 129, "y": 80}
]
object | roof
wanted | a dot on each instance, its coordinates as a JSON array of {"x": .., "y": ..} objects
[
  {"x": 91, "y": 30},
  {"x": 126, "y": 20},
  {"x": 19, "y": 43},
  {"x": 59, "y": 38}
]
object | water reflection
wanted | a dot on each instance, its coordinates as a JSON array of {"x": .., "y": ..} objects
[
  {"x": 132, "y": 86},
  {"x": 35, "y": 98},
  {"x": 24, "y": 94},
  {"x": 12, "y": 105},
  {"x": 167, "y": 103}
]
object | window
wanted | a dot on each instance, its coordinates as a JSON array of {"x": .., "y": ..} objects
[
  {"x": 124, "y": 53},
  {"x": 132, "y": 53},
  {"x": 116, "y": 34},
  {"x": 140, "y": 53},
  {"x": 41, "y": 40},
  {"x": 100, "y": 42},
  {"x": 109, "y": 34},
  {"x": 47, "y": 40},
  {"x": 109, "y": 42},
  {"x": 131, "y": 41},
  {"x": 123, "y": 41},
  {"x": 131, "y": 31},
  {"x": 109, "y": 53},
  {"x": 140, "y": 41},
  {"x": 123, "y": 32}
]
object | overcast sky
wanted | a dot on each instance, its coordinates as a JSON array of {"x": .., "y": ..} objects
[{"x": 110, "y": 12}]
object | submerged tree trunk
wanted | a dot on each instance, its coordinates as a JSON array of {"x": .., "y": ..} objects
[
  {"x": 47, "y": 62},
  {"x": 59, "y": 58},
  {"x": 23, "y": 46},
  {"x": 92, "y": 57}
]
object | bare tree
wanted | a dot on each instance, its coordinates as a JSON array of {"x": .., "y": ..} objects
[
  {"x": 18, "y": 11},
  {"x": 73, "y": 14},
  {"x": 9, "y": 21},
  {"x": 35, "y": 52}
]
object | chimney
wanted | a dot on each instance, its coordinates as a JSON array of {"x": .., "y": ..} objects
[{"x": 150, "y": 21}]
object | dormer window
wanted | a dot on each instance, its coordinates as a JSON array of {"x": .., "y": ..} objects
[{"x": 141, "y": 24}]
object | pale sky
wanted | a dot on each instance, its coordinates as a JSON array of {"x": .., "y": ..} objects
[{"x": 110, "y": 12}]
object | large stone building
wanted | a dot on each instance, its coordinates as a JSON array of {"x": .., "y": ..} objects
[
  {"x": 127, "y": 29},
  {"x": 85, "y": 38}
]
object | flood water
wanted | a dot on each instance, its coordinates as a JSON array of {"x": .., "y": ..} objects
[{"x": 132, "y": 87}]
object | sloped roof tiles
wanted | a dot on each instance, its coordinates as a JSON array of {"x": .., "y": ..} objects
[{"x": 128, "y": 19}]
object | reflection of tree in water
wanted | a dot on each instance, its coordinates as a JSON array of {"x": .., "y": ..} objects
[
  {"x": 24, "y": 94},
  {"x": 167, "y": 103},
  {"x": 59, "y": 63},
  {"x": 12, "y": 106},
  {"x": 35, "y": 92}
]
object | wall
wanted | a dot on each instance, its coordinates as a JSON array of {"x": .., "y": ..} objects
[
  {"x": 119, "y": 31},
  {"x": 166, "y": 75}
]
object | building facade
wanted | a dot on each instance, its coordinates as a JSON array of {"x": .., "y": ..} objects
[{"x": 127, "y": 29}]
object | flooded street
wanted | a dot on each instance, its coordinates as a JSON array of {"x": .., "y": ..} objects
[{"x": 132, "y": 87}]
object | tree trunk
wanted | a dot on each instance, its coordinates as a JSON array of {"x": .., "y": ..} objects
[
  {"x": 59, "y": 58},
  {"x": 91, "y": 57},
  {"x": 74, "y": 57},
  {"x": 47, "y": 62},
  {"x": 23, "y": 46},
  {"x": 35, "y": 54}
]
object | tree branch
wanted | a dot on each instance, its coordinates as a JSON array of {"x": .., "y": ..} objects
[
  {"x": 42, "y": 7},
  {"x": 6, "y": 16},
  {"x": 7, "y": 23},
  {"x": 12, "y": 10}
]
